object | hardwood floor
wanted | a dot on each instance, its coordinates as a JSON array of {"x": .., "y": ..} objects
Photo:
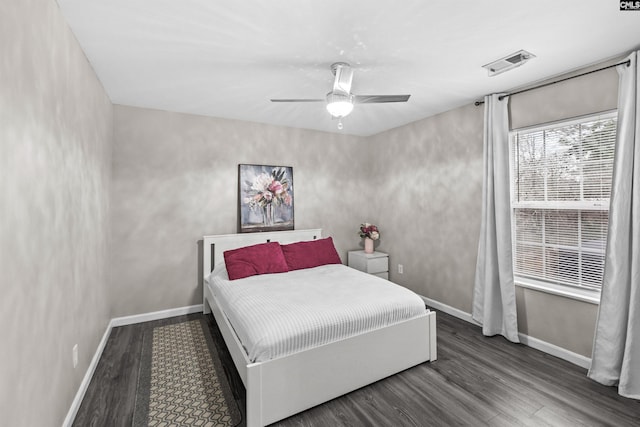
[{"x": 476, "y": 381}]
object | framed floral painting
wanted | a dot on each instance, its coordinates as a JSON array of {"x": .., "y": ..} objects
[{"x": 265, "y": 198}]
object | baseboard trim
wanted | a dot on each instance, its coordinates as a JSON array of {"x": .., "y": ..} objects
[
  {"x": 450, "y": 310},
  {"x": 554, "y": 350},
  {"x": 538, "y": 344},
  {"x": 155, "y": 315},
  {"x": 84, "y": 385},
  {"x": 115, "y": 322}
]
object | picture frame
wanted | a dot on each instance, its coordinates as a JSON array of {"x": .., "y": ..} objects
[{"x": 265, "y": 198}]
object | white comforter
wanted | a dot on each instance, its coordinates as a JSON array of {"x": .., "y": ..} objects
[{"x": 279, "y": 314}]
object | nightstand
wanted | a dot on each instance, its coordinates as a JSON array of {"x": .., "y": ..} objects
[{"x": 376, "y": 263}]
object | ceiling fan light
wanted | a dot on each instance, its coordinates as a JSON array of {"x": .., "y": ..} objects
[{"x": 339, "y": 104}]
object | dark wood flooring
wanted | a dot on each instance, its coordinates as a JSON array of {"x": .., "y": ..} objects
[{"x": 476, "y": 381}]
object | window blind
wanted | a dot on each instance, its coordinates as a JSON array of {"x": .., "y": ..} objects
[{"x": 560, "y": 187}]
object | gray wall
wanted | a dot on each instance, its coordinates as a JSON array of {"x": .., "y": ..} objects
[
  {"x": 55, "y": 156},
  {"x": 429, "y": 177},
  {"x": 175, "y": 180}
]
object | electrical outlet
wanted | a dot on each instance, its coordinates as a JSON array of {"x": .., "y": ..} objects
[
  {"x": 74, "y": 355},
  {"x": 400, "y": 269}
]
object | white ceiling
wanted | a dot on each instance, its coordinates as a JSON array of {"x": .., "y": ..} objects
[{"x": 229, "y": 58}]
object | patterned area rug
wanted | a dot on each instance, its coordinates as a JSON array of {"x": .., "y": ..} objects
[{"x": 181, "y": 381}]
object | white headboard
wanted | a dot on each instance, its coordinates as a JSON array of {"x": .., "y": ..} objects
[{"x": 214, "y": 246}]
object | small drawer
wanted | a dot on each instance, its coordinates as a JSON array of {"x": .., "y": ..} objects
[
  {"x": 378, "y": 265},
  {"x": 384, "y": 275}
]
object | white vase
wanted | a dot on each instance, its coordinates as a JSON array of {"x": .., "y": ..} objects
[{"x": 368, "y": 245}]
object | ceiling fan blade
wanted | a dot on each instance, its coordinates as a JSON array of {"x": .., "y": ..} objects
[
  {"x": 375, "y": 99},
  {"x": 298, "y": 100},
  {"x": 344, "y": 77}
]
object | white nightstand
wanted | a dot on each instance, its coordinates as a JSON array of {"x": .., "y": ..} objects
[{"x": 376, "y": 263}]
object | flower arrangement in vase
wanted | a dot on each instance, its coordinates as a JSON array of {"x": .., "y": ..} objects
[{"x": 370, "y": 233}]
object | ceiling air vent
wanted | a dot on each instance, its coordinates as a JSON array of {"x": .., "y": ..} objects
[{"x": 508, "y": 62}]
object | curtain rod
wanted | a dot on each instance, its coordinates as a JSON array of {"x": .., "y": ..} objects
[{"x": 627, "y": 63}]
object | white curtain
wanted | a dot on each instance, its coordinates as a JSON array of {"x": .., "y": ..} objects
[
  {"x": 494, "y": 301},
  {"x": 616, "y": 347}
]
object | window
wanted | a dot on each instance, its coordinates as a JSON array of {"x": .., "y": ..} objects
[{"x": 560, "y": 186}]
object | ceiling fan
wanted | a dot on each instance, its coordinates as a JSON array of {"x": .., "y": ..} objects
[{"x": 340, "y": 100}]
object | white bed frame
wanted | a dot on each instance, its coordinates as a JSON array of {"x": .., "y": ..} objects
[{"x": 281, "y": 387}]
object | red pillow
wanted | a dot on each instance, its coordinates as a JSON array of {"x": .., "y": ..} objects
[
  {"x": 263, "y": 258},
  {"x": 310, "y": 254}
]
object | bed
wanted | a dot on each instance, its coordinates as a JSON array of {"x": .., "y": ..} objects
[{"x": 281, "y": 384}]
